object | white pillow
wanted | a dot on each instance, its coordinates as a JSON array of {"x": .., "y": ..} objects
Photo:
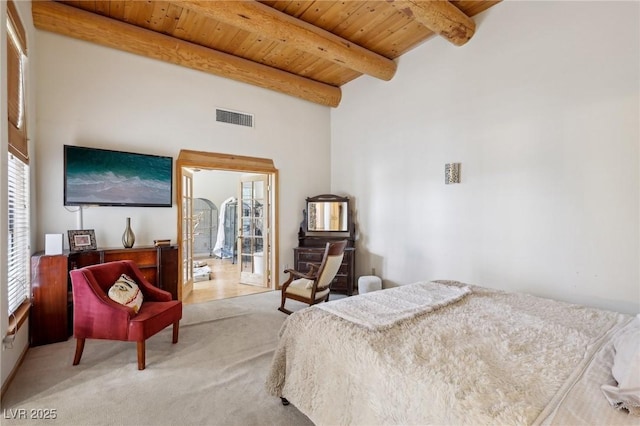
[
  {"x": 626, "y": 369},
  {"x": 126, "y": 292}
]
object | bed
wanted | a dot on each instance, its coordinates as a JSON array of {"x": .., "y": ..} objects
[{"x": 446, "y": 353}]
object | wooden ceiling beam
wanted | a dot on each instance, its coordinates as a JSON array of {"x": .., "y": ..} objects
[
  {"x": 441, "y": 17},
  {"x": 77, "y": 23},
  {"x": 261, "y": 19}
]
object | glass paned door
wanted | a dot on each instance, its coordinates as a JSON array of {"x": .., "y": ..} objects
[
  {"x": 187, "y": 232},
  {"x": 253, "y": 231}
]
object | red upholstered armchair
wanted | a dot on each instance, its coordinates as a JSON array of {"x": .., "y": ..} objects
[{"x": 96, "y": 316}]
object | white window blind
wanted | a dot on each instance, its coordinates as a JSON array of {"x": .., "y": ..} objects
[{"x": 18, "y": 253}]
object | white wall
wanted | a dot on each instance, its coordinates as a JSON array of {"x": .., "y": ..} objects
[
  {"x": 94, "y": 96},
  {"x": 541, "y": 107},
  {"x": 216, "y": 185}
]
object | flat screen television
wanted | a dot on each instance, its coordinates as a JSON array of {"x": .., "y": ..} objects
[{"x": 114, "y": 178}]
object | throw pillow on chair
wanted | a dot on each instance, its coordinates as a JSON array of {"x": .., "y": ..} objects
[{"x": 126, "y": 292}]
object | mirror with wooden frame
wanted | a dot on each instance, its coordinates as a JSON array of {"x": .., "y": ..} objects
[{"x": 327, "y": 213}]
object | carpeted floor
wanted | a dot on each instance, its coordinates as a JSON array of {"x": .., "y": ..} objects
[{"x": 214, "y": 375}]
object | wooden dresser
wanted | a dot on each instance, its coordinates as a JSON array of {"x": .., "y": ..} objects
[
  {"x": 344, "y": 282},
  {"x": 313, "y": 238},
  {"x": 51, "y": 314}
]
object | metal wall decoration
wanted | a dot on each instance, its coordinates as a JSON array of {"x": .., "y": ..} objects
[{"x": 452, "y": 173}]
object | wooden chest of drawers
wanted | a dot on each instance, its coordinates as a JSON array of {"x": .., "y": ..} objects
[{"x": 344, "y": 282}]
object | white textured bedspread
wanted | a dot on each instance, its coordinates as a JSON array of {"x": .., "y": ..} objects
[
  {"x": 382, "y": 309},
  {"x": 491, "y": 358}
]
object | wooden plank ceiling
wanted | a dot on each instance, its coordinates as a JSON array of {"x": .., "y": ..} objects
[{"x": 306, "y": 49}]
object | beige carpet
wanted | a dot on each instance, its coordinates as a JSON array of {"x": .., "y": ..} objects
[{"x": 214, "y": 375}]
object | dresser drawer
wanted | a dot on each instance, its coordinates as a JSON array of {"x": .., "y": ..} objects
[
  {"x": 340, "y": 283},
  {"x": 305, "y": 266},
  {"x": 314, "y": 256},
  {"x": 304, "y": 257},
  {"x": 142, "y": 258}
]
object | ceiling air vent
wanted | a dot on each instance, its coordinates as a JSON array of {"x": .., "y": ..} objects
[{"x": 232, "y": 117}]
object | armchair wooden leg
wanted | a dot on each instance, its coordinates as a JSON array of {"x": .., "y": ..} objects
[
  {"x": 282, "y": 308},
  {"x": 141, "y": 361},
  {"x": 176, "y": 328},
  {"x": 79, "y": 349}
]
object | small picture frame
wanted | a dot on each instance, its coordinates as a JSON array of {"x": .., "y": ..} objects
[{"x": 82, "y": 239}]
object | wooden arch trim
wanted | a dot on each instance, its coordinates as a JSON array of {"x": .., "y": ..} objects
[{"x": 217, "y": 161}]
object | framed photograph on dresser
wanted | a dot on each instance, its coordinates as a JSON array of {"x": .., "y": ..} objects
[{"x": 82, "y": 240}]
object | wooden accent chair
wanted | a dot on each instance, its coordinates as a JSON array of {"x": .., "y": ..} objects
[
  {"x": 96, "y": 316},
  {"x": 315, "y": 285}
]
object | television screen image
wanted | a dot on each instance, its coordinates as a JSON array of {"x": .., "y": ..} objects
[{"x": 114, "y": 178}]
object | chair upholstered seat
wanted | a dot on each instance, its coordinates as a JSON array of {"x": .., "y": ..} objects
[
  {"x": 153, "y": 318},
  {"x": 96, "y": 316},
  {"x": 314, "y": 286},
  {"x": 301, "y": 288}
]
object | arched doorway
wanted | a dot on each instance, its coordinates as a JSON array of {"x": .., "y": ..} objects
[{"x": 187, "y": 162}]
